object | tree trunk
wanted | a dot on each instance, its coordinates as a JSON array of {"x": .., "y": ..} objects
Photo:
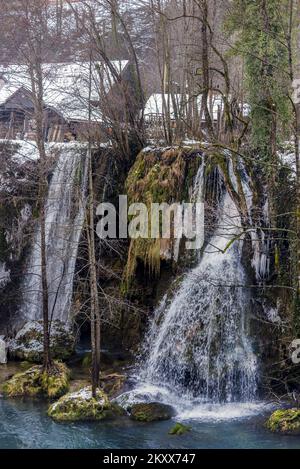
[
  {"x": 205, "y": 70},
  {"x": 95, "y": 311}
]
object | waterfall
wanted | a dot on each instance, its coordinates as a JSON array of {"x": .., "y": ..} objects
[
  {"x": 198, "y": 344},
  {"x": 64, "y": 210}
]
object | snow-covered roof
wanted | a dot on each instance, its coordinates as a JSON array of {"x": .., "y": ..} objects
[
  {"x": 66, "y": 86},
  {"x": 6, "y": 91},
  {"x": 178, "y": 102}
]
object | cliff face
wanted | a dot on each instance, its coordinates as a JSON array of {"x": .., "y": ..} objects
[
  {"x": 134, "y": 274},
  {"x": 18, "y": 194}
]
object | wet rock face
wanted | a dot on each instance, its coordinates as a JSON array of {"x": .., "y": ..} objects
[
  {"x": 285, "y": 421},
  {"x": 151, "y": 412},
  {"x": 28, "y": 343},
  {"x": 18, "y": 196},
  {"x": 82, "y": 406}
]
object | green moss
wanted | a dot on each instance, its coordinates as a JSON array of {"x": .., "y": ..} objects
[
  {"x": 23, "y": 384},
  {"x": 56, "y": 382},
  {"x": 87, "y": 360},
  {"x": 285, "y": 421},
  {"x": 162, "y": 176},
  {"x": 179, "y": 429},
  {"x": 36, "y": 382},
  {"x": 81, "y": 406},
  {"x": 28, "y": 343}
]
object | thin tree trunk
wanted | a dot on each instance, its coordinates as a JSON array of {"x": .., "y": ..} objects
[
  {"x": 95, "y": 311},
  {"x": 205, "y": 67},
  {"x": 37, "y": 88}
]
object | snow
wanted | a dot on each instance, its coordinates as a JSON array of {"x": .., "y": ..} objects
[
  {"x": 6, "y": 91},
  {"x": 66, "y": 86},
  {"x": 287, "y": 156},
  {"x": 155, "y": 105},
  {"x": 84, "y": 394},
  {"x": 25, "y": 149}
]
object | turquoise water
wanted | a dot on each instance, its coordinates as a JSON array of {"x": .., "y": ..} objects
[{"x": 24, "y": 424}]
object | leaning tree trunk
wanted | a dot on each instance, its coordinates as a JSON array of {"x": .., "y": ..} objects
[{"x": 37, "y": 87}]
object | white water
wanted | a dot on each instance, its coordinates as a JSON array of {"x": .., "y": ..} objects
[
  {"x": 201, "y": 345},
  {"x": 199, "y": 356},
  {"x": 64, "y": 222},
  {"x": 187, "y": 408}
]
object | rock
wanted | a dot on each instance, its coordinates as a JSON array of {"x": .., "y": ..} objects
[
  {"x": 36, "y": 382},
  {"x": 28, "y": 343},
  {"x": 81, "y": 406},
  {"x": 113, "y": 383},
  {"x": 3, "y": 351},
  {"x": 286, "y": 421},
  {"x": 179, "y": 429},
  {"x": 151, "y": 412}
]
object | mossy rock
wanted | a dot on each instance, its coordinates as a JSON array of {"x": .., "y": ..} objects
[
  {"x": 28, "y": 343},
  {"x": 36, "y": 382},
  {"x": 179, "y": 429},
  {"x": 285, "y": 421},
  {"x": 151, "y": 412},
  {"x": 82, "y": 406},
  {"x": 113, "y": 383}
]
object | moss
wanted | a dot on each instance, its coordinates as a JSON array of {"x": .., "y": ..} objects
[
  {"x": 28, "y": 343},
  {"x": 87, "y": 360},
  {"x": 56, "y": 382},
  {"x": 112, "y": 384},
  {"x": 151, "y": 412},
  {"x": 162, "y": 176},
  {"x": 285, "y": 421},
  {"x": 179, "y": 429},
  {"x": 36, "y": 382},
  {"x": 25, "y": 384},
  {"x": 81, "y": 406}
]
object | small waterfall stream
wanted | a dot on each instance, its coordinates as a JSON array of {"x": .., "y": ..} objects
[
  {"x": 201, "y": 345},
  {"x": 64, "y": 222},
  {"x": 198, "y": 348}
]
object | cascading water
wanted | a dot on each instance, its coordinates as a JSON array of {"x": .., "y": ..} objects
[
  {"x": 198, "y": 349},
  {"x": 64, "y": 222},
  {"x": 201, "y": 346}
]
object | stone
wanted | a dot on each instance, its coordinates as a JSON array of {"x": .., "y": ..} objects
[
  {"x": 36, "y": 382},
  {"x": 82, "y": 406},
  {"x": 179, "y": 429},
  {"x": 151, "y": 412},
  {"x": 28, "y": 343},
  {"x": 113, "y": 383},
  {"x": 3, "y": 351},
  {"x": 285, "y": 421}
]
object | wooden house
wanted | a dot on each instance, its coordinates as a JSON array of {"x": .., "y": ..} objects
[{"x": 78, "y": 100}]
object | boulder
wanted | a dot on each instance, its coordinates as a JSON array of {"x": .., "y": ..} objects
[
  {"x": 28, "y": 343},
  {"x": 113, "y": 383},
  {"x": 285, "y": 421},
  {"x": 36, "y": 382},
  {"x": 151, "y": 412},
  {"x": 3, "y": 351},
  {"x": 179, "y": 429},
  {"x": 82, "y": 406}
]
